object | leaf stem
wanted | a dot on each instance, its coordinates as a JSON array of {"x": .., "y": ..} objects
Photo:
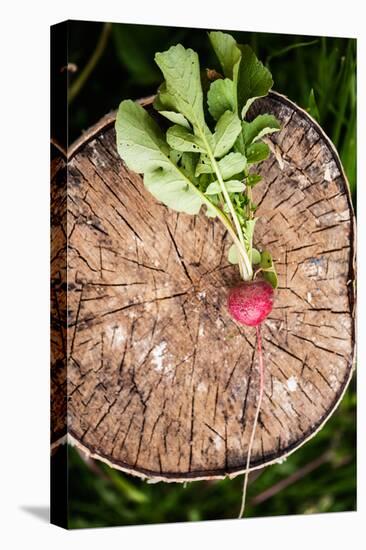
[
  {"x": 226, "y": 222},
  {"x": 245, "y": 266},
  {"x": 223, "y": 218},
  {"x": 248, "y": 271}
]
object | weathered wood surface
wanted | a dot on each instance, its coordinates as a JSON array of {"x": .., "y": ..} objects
[{"x": 161, "y": 382}]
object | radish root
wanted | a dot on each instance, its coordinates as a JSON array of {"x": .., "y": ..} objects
[{"x": 260, "y": 397}]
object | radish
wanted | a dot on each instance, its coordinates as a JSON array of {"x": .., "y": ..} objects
[
  {"x": 249, "y": 304},
  {"x": 206, "y": 160}
]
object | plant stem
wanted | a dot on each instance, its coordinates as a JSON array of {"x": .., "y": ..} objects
[
  {"x": 251, "y": 441},
  {"x": 222, "y": 217},
  {"x": 249, "y": 211},
  {"x": 89, "y": 67},
  {"x": 245, "y": 264},
  {"x": 281, "y": 52},
  {"x": 248, "y": 274},
  {"x": 240, "y": 258},
  {"x": 226, "y": 222}
]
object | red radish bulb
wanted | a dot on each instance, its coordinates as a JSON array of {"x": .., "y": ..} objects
[{"x": 249, "y": 303}]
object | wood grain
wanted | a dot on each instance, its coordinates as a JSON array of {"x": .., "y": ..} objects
[{"x": 161, "y": 382}]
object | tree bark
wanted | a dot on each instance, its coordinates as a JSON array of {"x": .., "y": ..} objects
[{"x": 160, "y": 382}]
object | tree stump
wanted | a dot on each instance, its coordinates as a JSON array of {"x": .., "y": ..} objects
[{"x": 161, "y": 383}]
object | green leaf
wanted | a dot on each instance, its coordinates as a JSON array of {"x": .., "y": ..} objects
[
  {"x": 268, "y": 269},
  {"x": 163, "y": 100},
  {"x": 227, "y": 51},
  {"x": 233, "y": 186},
  {"x": 226, "y": 131},
  {"x": 229, "y": 166},
  {"x": 181, "y": 71},
  {"x": 141, "y": 145},
  {"x": 240, "y": 64},
  {"x": 259, "y": 127},
  {"x": 188, "y": 166},
  {"x": 170, "y": 188},
  {"x": 175, "y": 156},
  {"x": 177, "y": 118},
  {"x": 181, "y": 139},
  {"x": 140, "y": 142},
  {"x": 256, "y": 152},
  {"x": 254, "y": 79},
  {"x": 233, "y": 254},
  {"x": 312, "y": 106},
  {"x": 252, "y": 179},
  {"x": 271, "y": 278},
  {"x": 266, "y": 260},
  {"x": 221, "y": 97},
  {"x": 203, "y": 166},
  {"x": 256, "y": 256},
  {"x": 232, "y": 164},
  {"x": 210, "y": 212}
]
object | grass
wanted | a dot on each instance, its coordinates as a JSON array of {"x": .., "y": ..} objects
[{"x": 320, "y": 75}]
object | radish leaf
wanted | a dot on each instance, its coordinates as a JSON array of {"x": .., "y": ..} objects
[
  {"x": 191, "y": 164},
  {"x": 204, "y": 166},
  {"x": 141, "y": 144},
  {"x": 256, "y": 256},
  {"x": 268, "y": 269},
  {"x": 254, "y": 79},
  {"x": 256, "y": 152},
  {"x": 259, "y": 127},
  {"x": 181, "y": 71},
  {"x": 232, "y": 186},
  {"x": 180, "y": 139},
  {"x": 177, "y": 118},
  {"x": 168, "y": 187},
  {"x": 233, "y": 254},
  {"x": 252, "y": 179},
  {"x": 227, "y": 51},
  {"x": 221, "y": 97},
  {"x": 271, "y": 277},
  {"x": 232, "y": 164},
  {"x": 226, "y": 131}
]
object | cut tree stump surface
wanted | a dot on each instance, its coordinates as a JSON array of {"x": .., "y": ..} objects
[{"x": 161, "y": 382}]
